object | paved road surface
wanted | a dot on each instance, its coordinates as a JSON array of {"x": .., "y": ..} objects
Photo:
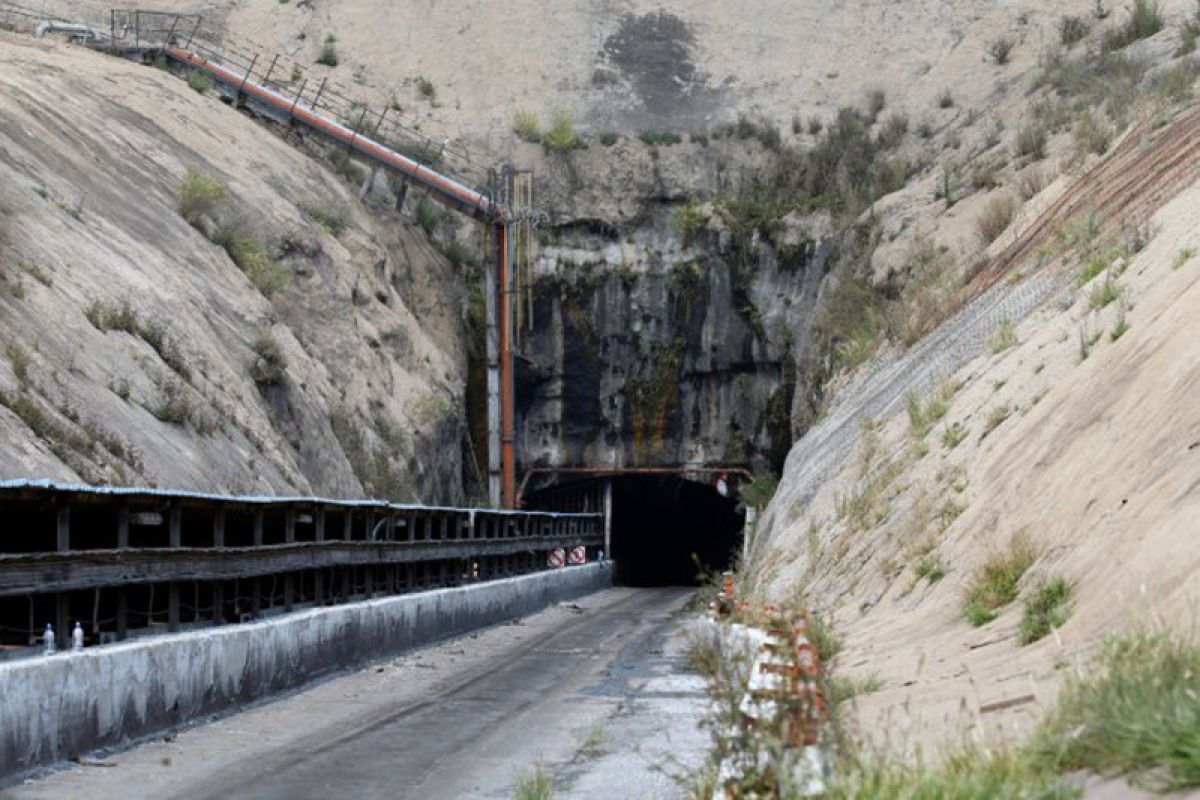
[{"x": 598, "y": 694}]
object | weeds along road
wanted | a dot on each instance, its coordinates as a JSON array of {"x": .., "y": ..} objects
[{"x": 596, "y": 691}]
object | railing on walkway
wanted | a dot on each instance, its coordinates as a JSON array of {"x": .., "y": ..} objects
[{"x": 128, "y": 558}]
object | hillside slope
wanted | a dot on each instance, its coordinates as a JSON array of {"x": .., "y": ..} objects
[
  {"x": 136, "y": 351},
  {"x": 1074, "y": 438}
]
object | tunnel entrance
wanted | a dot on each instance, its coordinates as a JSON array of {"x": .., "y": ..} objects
[{"x": 663, "y": 525}]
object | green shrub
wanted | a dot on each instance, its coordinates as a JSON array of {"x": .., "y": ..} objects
[
  {"x": 876, "y": 102},
  {"x": 1030, "y": 143},
  {"x": 1004, "y": 337},
  {"x": 200, "y": 196},
  {"x": 267, "y": 275},
  {"x": 174, "y": 406},
  {"x": 1176, "y": 85},
  {"x": 329, "y": 56},
  {"x": 199, "y": 82},
  {"x": 526, "y": 126},
  {"x": 427, "y": 89},
  {"x": 1135, "y": 713},
  {"x": 931, "y": 569},
  {"x": 688, "y": 220},
  {"x": 1091, "y": 136},
  {"x": 1105, "y": 293},
  {"x": 759, "y": 491},
  {"x": 1071, "y": 30},
  {"x": 1145, "y": 20},
  {"x": 18, "y": 360},
  {"x": 608, "y": 138},
  {"x": 561, "y": 136},
  {"x": 1045, "y": 610},
  {"x": 893, "y": 131},
  {"x": 994, "y": 584},
  {"x": 923, "y": 416},
  {"x": 1000, "y": 49},
  {"x": 655, "y": 138},
  {"x": 333, "y": 217},
  {"x": 996, "y": 216},
  {"x": 270, "y": 364},
  {"x": 428, "y": 216},
  {"x": 953, "y": 435}
]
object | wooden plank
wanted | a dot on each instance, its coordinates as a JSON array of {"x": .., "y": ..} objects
[{"x": 1000, "y": 705}]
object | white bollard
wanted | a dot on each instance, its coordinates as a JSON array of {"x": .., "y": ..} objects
[
  {"x": 48, "y": 640},
  {"x": 77, "y": 637}
]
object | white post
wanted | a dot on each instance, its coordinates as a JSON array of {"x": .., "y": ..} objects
[
  {"x": 608, "y": 518},
  {"x": 748, "y": 532}
]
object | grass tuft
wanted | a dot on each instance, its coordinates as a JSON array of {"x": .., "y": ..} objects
[
  {"x": 199, "y": 82},
  {"x": 953, "y": 435},
  {"x": 1004, "y": 338},
  {"x": 1145, "y": 20},
  {"x": 329, "y": 54},
  {"x": 200, "y": 196},
  {"x": 1045, "y": 610},
  {"x": 995, "y": 218},
  {"x": 561, "y": 136},
  {"x": 1137, "y": 715},
  {"x": 533, "y": 785},
  {"x": 526, "y": 126},
  {"x": 994, "y": 584}
]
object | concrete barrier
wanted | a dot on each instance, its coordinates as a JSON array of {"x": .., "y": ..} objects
[{"x": 57, "y": 707}]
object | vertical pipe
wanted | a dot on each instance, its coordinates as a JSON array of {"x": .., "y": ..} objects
[
  {"x": 492, "y": 353},
  {"x": 507, "y": 462}
]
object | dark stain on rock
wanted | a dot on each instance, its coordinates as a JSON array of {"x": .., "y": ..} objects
[{"x": 654, "y": 52}]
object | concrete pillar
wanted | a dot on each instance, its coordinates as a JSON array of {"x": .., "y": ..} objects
[
  {"x": 319, "y": 525},
  {"x": 255, "y": 597},
  {"x": 289, "y": 526},
  {"x": 173, "y": 606},
  {"x": 218, "y": 603},
  {"x": 123, "y": 526},
  {"x": 122, "y": 613},
  {"x": 608, "y": 518},
  {"x": 175, "y": 524},
  {"x": 347, "y": 525},
  {"x": 63, "y": 528},
  {"x": 259, "y": 515},
  {"x": 62, "y": 621},
  {"x": 219, "y": 528},
  {"x": 289, "y": 592}
]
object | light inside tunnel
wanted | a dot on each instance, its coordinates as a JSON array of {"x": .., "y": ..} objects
[{"x": 667, "y": 530}]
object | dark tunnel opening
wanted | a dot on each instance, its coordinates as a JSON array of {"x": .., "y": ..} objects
[{"x": 667, "y": 530}]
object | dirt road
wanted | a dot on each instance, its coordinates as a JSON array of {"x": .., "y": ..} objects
[{"x": 597, "y": 694}]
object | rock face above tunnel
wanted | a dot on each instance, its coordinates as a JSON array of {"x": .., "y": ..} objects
[{"x": 660, "y": 331}]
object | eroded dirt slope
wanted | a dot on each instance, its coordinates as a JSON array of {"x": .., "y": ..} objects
[{"x": 363, "y": 367}]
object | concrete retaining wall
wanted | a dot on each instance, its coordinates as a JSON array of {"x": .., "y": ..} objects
[{"x": 67, "y": 704}]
